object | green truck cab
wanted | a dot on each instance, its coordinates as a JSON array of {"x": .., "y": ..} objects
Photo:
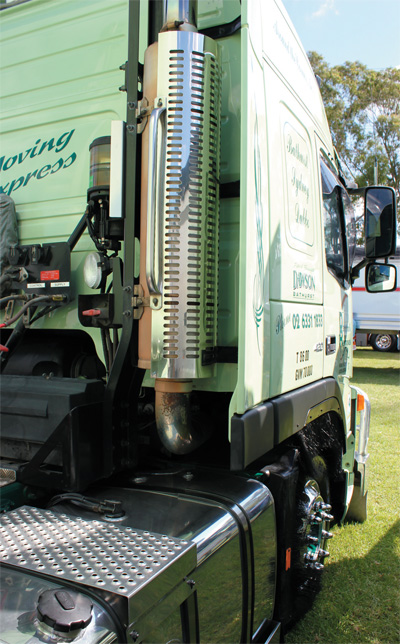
[{"x": 178, "y": 425}]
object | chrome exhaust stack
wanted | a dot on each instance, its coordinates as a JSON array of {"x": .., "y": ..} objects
[
  {"x": 181, "y": 258},
  {"x": 180, "y": 14}
]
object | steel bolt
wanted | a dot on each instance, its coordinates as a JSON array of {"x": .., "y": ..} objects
[
  {"x": 326, "y": 535},
  {"x": 323, "y": 553},
  {"x": 326, "y": 516},
  {"x": 316, "y": 519}
]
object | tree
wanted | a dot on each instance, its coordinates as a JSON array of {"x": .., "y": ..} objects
[{"x": 363, "y": 109}]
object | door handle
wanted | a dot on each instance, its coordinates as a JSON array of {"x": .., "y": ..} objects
[{"x": 330, "y": 344}]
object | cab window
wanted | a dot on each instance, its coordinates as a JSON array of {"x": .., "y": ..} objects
[{"x": 334, "y": 226}]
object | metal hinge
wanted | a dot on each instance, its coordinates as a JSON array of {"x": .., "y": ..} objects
[
  {"x": 143, "y": 112},
  {"x": 139, "y": 301},
  {"x": 123, "y": 68}
]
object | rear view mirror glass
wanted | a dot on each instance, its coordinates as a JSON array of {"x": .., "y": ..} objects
[
  {"x": 380, "y": 222},
  {"x": 380, "y": 278}
]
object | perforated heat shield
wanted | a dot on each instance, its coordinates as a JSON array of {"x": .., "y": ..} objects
[
  {"x": 184, "y": 330},
  {"x": 131, "y": 569}
]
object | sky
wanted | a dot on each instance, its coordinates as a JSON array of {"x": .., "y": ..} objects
[{"x": 341, "y": 30}]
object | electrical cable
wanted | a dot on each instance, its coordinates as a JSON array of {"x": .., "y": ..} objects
[
  {"x": 88, "y": 503},
  {"x": 16, "y": 335},
  {"x": 91, "y": 232},
  {"x": 24, "y": 308},
  {"x": 110, "y": 349},
  {"x": 21, "y": 296},
  {"x": 43, "y": 312},
  {"x": 105, "y": 351}
]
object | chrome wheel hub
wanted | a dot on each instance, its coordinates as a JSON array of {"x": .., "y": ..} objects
[
  {"x": 384, "y": 341},
  {"x": 314, "y": 527}
]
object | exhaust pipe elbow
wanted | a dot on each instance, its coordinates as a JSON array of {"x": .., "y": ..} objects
[{"x": 173, "y": 417}]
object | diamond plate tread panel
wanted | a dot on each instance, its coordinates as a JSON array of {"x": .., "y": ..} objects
[{"x": 113, "y": 560}]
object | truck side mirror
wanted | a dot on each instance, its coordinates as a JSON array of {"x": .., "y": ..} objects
[
  {"x": 380, "y": 278},
  {"x": 380, "y": 222}
]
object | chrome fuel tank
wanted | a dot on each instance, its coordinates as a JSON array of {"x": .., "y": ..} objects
[{"x": 231, "y": 520}]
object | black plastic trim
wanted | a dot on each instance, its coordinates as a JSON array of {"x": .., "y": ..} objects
[
  {"x": 229, "y": 190},
  {"x": 219, "y": 354},
  {"x": 252, "y": 435},
  {"x": 222, "y": 31},
  {"x": 260, "y": 429},
  {"x": 296, "y": 409}
]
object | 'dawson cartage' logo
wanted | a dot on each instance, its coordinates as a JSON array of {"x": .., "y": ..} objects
[
  {"x": 303, "y": 281},
  {"x": 46, "y": 148}
]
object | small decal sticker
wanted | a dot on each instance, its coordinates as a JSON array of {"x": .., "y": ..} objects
[
  {"x": 49, "y": 275},
  {"x": 59, "y": 284}
]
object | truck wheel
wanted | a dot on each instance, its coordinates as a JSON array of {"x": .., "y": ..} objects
[
  {"x": 313, "y": 521},
  {"x": 383, "y": 342}
]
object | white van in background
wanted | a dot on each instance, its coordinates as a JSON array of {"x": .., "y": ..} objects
[{"x": 377, "y": 317}]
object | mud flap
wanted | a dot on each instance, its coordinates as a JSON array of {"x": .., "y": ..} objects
[
  {"x": 358, "y": 505},
  {"x": 281, "y": 478},
  {"x": 357, "y": 510}
]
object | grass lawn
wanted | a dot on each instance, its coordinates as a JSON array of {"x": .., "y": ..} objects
[{"x": 360, "y": 599}]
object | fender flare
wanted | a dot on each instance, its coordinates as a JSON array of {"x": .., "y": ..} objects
[{"x": 262, "y": 428}]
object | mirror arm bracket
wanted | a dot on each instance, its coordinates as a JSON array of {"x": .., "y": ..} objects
[
  {"x": 356, "y": 191},
  {"x": 355, "y": 271}
]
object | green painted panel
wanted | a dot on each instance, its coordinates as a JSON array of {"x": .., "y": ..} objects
[
  {"x": 59, "y": 84},
  {"x": 59, "y": 90},
  {"x": 228, "y": 292},
  {"x": 217, "y": 12},
  {"x": 230, "y": 108}
]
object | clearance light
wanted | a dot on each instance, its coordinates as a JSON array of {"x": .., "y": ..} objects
[
  {"x": 100, "y": 151},
  {"x": 360, "y": 402}
]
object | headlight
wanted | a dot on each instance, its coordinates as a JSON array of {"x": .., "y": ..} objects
[{"x": 92, "y": 270}]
